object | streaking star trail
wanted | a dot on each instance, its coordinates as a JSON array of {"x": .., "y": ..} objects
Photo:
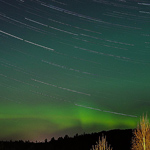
[{"x": 69, "y": 67}]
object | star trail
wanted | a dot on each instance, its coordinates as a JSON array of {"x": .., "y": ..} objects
[{"x": 69, "y": 66}]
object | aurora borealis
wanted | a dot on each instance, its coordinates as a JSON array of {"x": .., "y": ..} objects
[{"x": 72, "y": 66}]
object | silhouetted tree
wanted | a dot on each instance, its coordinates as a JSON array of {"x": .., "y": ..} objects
[
  {"x": 141, "y": 139},
  {"x": 27, "y": 141},
  {"x": 60, "y": 139},
  {"x": 45, "y": 140},
  {"x": 52, "y": 139},
  {"x": 76, "y": 135},
  {"x": 66, "y": 137}
]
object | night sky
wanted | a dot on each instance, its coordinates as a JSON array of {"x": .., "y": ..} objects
[{"x": 72, "y": 66}]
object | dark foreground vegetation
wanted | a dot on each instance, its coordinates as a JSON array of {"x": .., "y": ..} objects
[{"x": 118, "y": 139}]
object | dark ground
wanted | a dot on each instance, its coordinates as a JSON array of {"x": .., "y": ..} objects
[{"x": 118, "y": 139}]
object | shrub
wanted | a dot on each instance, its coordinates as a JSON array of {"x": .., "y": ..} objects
[{"x": 102, "y": 144}]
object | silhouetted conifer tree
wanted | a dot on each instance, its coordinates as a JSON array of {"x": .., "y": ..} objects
[
  {"x": 45, "y": 140},
  {"x": 52, "y": 139}
]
